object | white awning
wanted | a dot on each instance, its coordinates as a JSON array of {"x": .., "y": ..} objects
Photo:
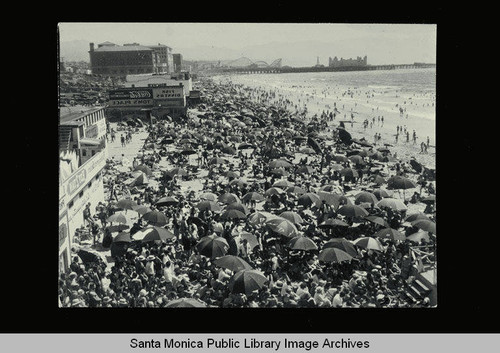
[{"x": 90, "y": 141}]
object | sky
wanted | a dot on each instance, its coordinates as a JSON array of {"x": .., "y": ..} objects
[{"x": 382, "y": 43}]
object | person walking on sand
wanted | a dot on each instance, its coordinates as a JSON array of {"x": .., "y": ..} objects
[
  {"x": 414, "y": 137},
  {"x": 428, "y": 142},
  {"x": 122, "y": 140}
]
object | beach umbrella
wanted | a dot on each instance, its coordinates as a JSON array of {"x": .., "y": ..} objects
[
  {"x": 344, "y": 136},
  {"x": 141, "y": 209},
  {"x": 156, "y": 217},
  {"x": 340, "y": 158},
  {"x": 280, "y": 163},
  {"x": 245, "y": 146},
  {"x": 334, "y": 199},
  {"x": 237, "y": 182},
  {"x": 352, "y": 211},
  {"x": 231, "y": 175},
  {"x": 336, "y": 167},
  {"x": 365, "y": 196},
  {"x": 233, "y": 263},
  {"x": 342, "y": 244},
  {"x": 381, "y": 193},
  {"x": 390, "y": 233},
  {"x": 208, "y": 196},
  {"x": 90, "y": 255},
  {"x": 334, "y": 255},
  {"x": 117, "y": 228},
  {"x": 208, "y": 205},
  {"x": 167, "y": 201},
  {"x": 424, "y": 224},
  {"x": 185, "y": 303},
  {"x": 377, "y": 179},
  {"x": 332, "y": 188},
  {"x": 362, "y": 142},
  {"x": 314, "y": 145},
  {"x": 369, "y": 243},
  {"x": 260, "y": 217},
  {"x": 302, "y": 243},
  {"x": 416, "y": 166},
  {"x": 332, "y": 223},
  {"x": 217, "y": 160},
  {"x": 122, "y": 237},
  {"x": 377, "y": 156},
  {"x": 273, "y": 191},
  {"x": 292, "y": 216},
  {"x": 429, "y": 199},
  {"x": 228, "y": 198},
  {"x": 246, "y": 281},
  {"x": 384, "y": 149},
  {"x": 398, "y": 182},
  {"x": 282, "y": 226},
  {"x": 349, "y": 172},
  {"x": 117, "y": 217},
  {"x": 394, "y": 204},
  {"x": 279, "y": 172},
  {"x": 417, "y": 237},
  {"x": 188, "y": 152},
  {"x": 145, "y": 169},
  {"x": 212, "y": 246},
  {"x": 416, "y": 216},
  {"x": 228, "y": 150},
  {"x": 283, "y": 184},
  {"x": 153, "y": 233},
  {"x": 309, "y": 199},
  {"x": 305, "y": 169},
  {"x": 141, "y": 179},
  {"x": 307, "y": 150},
  {"x": 357, "y": 159},
  {"x": 126, "y": 204},
  {"x": 249, "y": 237},
  {"x": 377, "y": 220},
  {"x": 252, "y": 196},
  {"x": 233, "y": 214},
  {"x": 296, "y": 190},
  {"x": 176, "y": 171}
]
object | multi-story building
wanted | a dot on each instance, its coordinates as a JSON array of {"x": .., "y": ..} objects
[
  {"x": 114, "y": 60},
  {"x": 359, "y": 61},
  {"x": 177, "y": 63},
  {"x": 82, "y": 157}
]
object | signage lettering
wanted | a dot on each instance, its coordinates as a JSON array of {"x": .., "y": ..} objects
[{"x": 76, "y": 181}]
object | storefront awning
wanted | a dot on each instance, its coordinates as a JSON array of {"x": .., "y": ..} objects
[{"x": 90, "y": 141}]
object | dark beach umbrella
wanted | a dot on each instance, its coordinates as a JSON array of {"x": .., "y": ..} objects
[
  {"x": 424, "y": 224},
  {"x": 252, "y": 196},
  {"x": 246, "y": 281},
  {"x": 212, "y": 246},
  {"x": 334, "y": 255},
  {"x": 416, "y": 166},
  {"x": 377, "y": 179},
  {"x": 362, "y": 142},
  {"x": 188, "y": 152},
  {"x": 153, "y": 233},
  {"x": 314, "y": 145},
  {"x": 117, "y": 228},
  {"x": 245, "y": 146},
  {"x": 429, "y": 199},
  {"x": 302, "y": 243},
  {"x": 279, "y": 172},
  {"x": 231, "y": 175},
  {"x": 352, "y": 211},
  {"x": 292, "y": 216},
  {"x": 122, "y": 237},
  {"x": 260, "y": 217},
  {"x": 88, "y": 255},
  {"x": 228, "y": 150},
  {"x": 342, "y": 244},
  {"x": 155, "y": 217},
  {"x": 141, "y": 209},
  {"x": 210, "y": 196},
  {"x": 176, "y": 171},
  {"x": 309, "y": 199},
  {"x": 145, "y": 169},
  {"x": 377, "y": 220},
  {"x": 305, "y": 169},
  {"x": 208, "y": 205},
  {"x": 228, "y": 198},
  {"x": 349, "y": 172},
  {"x": 400, "y": 183},
  {"x": 344, "y": 136},
  {"x": 185, "y": 303},
  {"x": 332, "y": 188},
  {"x": 280, "y": 163},
  {"x": 416, "y": 216},
  {"x": 357, "y": 159},
  {"x": 233, "y": 263},
  {"x": 390, "y": 233},
  {"x": 340, "y": 158},
  {"x": 126, "y": 204},
  {"x": 307, "y": 150},
  {"x": 381, "y": 194},
  {"x": 365, "y": 196},
  {"x": 217, "y": 160},
  {"x": 334, "y": 199},
  {"x": 167, "y": 201},
  {"x": 233, "y": 214},
  {"x": 333, "y": 223},
  {"x": 282, "y": 226},
  {"x": 117, "y": 217},
  {"x": 273, "y": 191}
]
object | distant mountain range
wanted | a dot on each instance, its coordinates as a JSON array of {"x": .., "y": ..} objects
[{"x": 293, "y": 54}]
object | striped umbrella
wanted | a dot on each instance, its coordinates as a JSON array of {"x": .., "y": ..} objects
[
  {"x": 365, "y": 196},
  {"x": 390, "y": 233},
  {"x": 424, "y": 224},
  {"x": 283, "y": 227},
  {"x": 126, "y": 204},
  {"x": 369, "y": 243},
  {"x": 153, "y": 233},
  {"x": 353, "y": 211},
  {"x": 212, "y": 246},
  {"x": 392, "y": 203},
  {"x": 117, "y": 217},
  {"x": 233, "y": 263},
  {"x": 156, "y": 217},
  {"x": 252, "y": 196}
]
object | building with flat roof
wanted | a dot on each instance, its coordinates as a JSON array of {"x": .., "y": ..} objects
[
  {"x": 114, "y": 60},
  {"x": 82, "y": 157}
]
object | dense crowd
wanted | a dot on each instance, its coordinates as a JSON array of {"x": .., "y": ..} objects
[{"x": 255, "y": 205}]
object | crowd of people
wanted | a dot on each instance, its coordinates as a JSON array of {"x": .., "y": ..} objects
[{"x": 265, "y": 187}]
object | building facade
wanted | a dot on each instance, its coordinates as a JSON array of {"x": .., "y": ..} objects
[
  {"x": 359, "y": 61},
  {"x": 113, "y": 60},
  {"x": 177, "y": 63},
  {"x": 82, "y": 158}
]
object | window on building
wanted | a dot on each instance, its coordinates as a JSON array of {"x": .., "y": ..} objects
[{"x": 84, "y": 152}]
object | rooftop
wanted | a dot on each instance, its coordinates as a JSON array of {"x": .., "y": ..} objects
[
  {"x": 123, "y": 48},
  {"x": 69, "y": 114}
]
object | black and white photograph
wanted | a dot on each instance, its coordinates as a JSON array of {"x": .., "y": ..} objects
[{"x": 247, "y": 165}]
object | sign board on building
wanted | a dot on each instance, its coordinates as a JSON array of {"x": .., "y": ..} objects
[
  {"x": 92, "y": 131},
  {"x": 131, "y": 93},
  {"x": 83, "y": 175},
  {"x": 172, "y": 92},
  {"x": 130, "y": 102},
  {"x": 178, "y": 103},
  {"x": 194, "y": 94}
]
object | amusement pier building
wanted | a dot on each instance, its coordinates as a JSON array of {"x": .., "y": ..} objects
[
  {"x": 359, "y": 61},
  {"x": 82, "y": 157}
]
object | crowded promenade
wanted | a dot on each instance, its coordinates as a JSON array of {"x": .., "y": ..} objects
[{"x": 248, "y": 202}]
